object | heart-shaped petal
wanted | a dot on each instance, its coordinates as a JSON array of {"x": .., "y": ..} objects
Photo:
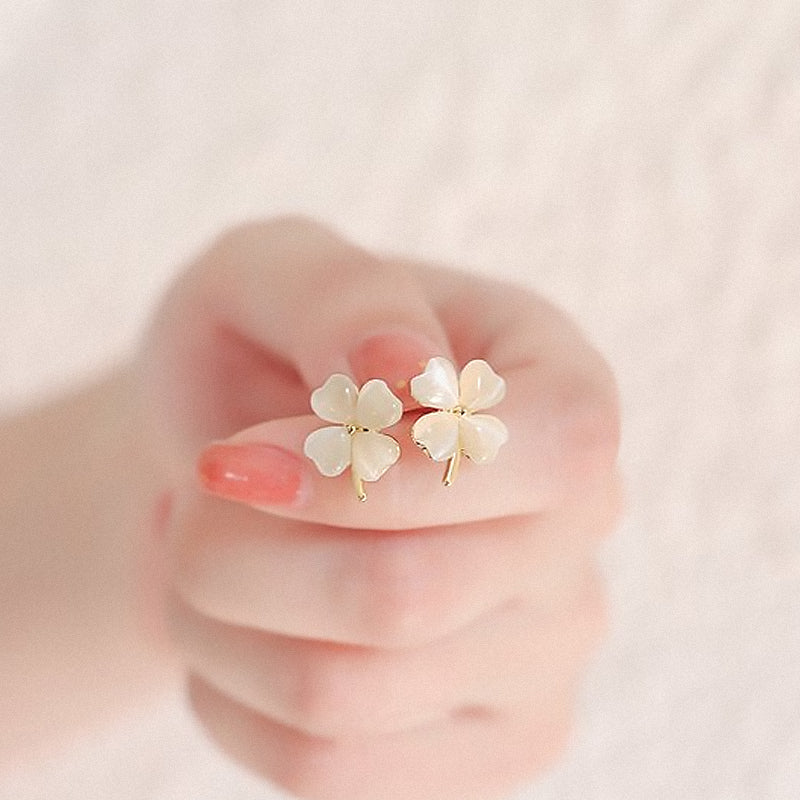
[
  {"x": 437, "y": 386},
  {"x": 335, "y": 400},
  {"x": 377, "y": 407},
  {"x": 481, "y": 436},
  {"x": 480, "y": 386},
  {"x": 373, "y": 454},
  {"x": 329, "y": 449},
  {"x": 437, "y": 434}
]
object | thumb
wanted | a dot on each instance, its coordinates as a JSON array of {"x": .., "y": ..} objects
[{"x": 323, "y": 304}]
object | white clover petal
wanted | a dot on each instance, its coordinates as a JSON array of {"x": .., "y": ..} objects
[
  {"x": 377, "y": 407},
  {"x": 355, "y": 442},
  {"x": 373, "y": 453},
  {"x": 437, "y": 434},
  {"x": 335, "y": 400},
  {"x": 329, "y": 448},
  {"x": 481, "y": 436},
  {"x": 480, "y": 386},
  {"x": 437, "y": 386}
]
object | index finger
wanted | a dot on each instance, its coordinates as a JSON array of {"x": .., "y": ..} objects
[{"x": 560, "y": 410}]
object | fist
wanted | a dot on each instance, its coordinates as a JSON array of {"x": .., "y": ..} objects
[{"x": 427, "y": 643}]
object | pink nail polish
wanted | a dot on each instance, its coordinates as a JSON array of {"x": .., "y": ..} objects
[
  {"x": 396, "y": 357},
  {"x": 257, "y": 474}
]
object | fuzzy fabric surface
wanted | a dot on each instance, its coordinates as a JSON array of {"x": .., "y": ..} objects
[{"x": 636, "y": 162}]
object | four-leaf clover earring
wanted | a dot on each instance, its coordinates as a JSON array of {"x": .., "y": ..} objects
[
  {"x": 455, "y": 427},
  {"x": 355, "y": 441}
]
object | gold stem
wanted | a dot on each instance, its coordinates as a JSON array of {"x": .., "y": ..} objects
[
  {"x": 452, "y": 468},
  {"x": 358, "y": 485}
]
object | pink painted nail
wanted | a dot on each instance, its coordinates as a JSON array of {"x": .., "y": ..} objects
[
  {"x": 256, "y": 474},
  {"x": 396, "y": 357}
]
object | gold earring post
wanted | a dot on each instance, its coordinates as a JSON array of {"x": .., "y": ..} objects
[
  {"x": 358, "y": 485},
  {"x": 452, "y": 468}
]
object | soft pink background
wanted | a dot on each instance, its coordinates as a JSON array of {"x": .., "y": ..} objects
[{"x": 636, "y": 161}]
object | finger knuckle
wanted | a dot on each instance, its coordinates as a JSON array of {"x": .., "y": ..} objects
[
  {"x": 333, "y": 694},
  {"x": 401, "y": 599}
]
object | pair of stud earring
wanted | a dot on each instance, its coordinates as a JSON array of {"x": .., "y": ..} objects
[{"x": 451, "y": 429}]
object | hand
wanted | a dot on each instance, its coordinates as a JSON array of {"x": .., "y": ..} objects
[{"x": 427, "y": 643}]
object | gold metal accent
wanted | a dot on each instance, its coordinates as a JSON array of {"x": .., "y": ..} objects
[
  {"x": 358, "y": 485},
  {"x": 452, "y": 468},
  {"x": 421, "y": 446}
]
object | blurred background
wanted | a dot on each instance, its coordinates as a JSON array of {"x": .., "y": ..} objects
[{"x": 637, "y": 162}]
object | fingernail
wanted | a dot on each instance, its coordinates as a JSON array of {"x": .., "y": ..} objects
[
  {"x": 257, "y": 474},
  {"x": 394, "y": 356}
]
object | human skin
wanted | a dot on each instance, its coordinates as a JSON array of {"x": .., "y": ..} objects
[
  {"x": 80, "y": 632},
  {"x": 427, "y": 643}
]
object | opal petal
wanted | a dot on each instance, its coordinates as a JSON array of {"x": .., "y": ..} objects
[
  {"x": 329, "y": 448},
  {"x": 373, "y": 454},
  {"x": 481, "y": 436},
  {"x": 437, "y": 434},
  {"x": 335, "y": 400},
  {"x": 437, "y": 386},
  {"x": 480, "y": 386},
  {"x": 377, "y": 407}
]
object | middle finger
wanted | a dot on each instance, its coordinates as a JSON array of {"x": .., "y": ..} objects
[
  {"x": 375, "y": 588},
  {"x": 515, "y": 655}
]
